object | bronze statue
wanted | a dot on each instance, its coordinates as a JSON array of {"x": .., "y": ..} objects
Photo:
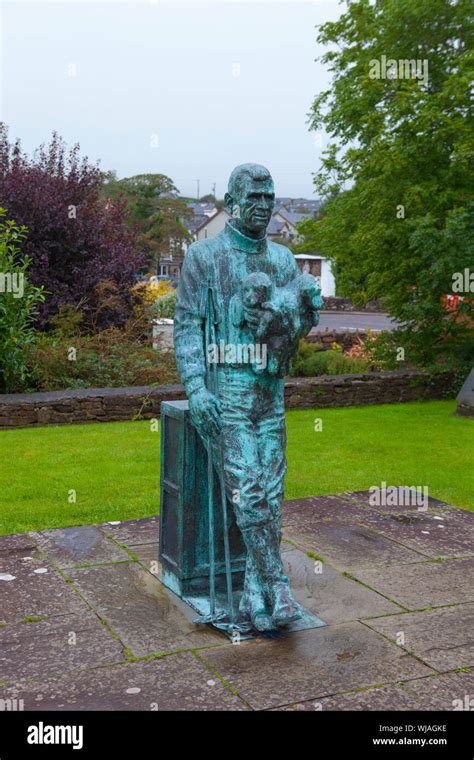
[{"x": 244, "y": 294}]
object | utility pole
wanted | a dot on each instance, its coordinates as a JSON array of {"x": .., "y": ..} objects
[
  {"x": 197, "y": 181},
  {"x": 214, "y": 190}
]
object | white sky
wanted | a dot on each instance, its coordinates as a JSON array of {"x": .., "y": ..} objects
[{"x": 168, "y": 72}]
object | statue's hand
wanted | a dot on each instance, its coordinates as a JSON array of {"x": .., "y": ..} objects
[
  {"x": 254, "y": 315},
  {"x": 205, "y": 412}
]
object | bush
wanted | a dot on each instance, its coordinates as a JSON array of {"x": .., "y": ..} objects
[
  {"x": 381, "y": 351},
  {"x": 76, "y": 239},
  {"x": 111, "y": 358},
  {"x": 309, "y": 361},
  {"x": 19, "y": 300},
  {"x": 164, "y": 306}
]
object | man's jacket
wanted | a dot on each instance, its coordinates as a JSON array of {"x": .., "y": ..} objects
[{"x": 219, "y": 265}]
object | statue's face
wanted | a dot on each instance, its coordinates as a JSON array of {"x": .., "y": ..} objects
[{"x": 256, "y": 201}]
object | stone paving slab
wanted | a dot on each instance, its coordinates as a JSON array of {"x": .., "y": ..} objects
[
  {"x": 348, "y": 547},
  {"x": 377, "y": 579},
  {"x": 21, "y": 543},
  {"x": 85, "y": 544},
  {"x": 426, "y": 584},
  {"x": 176, "y": 682},
  {"x": 304, "y": 513},
  {"x": 145, "y": 530},
  {"x": 442, "y": 638},
  {"x": 148, "y": 555},
  {"x": 56, "y": 645},
  {"x": 311, "y": 664},
  {"x": 30, "y": 587},
  {"x": 328, "y": 594},
  {"x": 445, "y": 692},
  {"x": 148, "y": 617},
  {"x": 444, "y": 533}
]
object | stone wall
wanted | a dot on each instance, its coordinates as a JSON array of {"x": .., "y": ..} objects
[
  {"x": 338, "y": 303},
  {"x": 344, "y": 338},
  {"x": 365, "y": 388},
  {"x": 114, "y": 404}
]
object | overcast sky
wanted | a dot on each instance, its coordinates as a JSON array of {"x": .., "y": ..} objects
[{"x": 188, "y": 89}]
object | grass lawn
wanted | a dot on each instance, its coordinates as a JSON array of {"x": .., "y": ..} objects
[{"x": 114, "y": 467}]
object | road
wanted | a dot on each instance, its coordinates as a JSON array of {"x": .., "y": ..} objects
[{"x": 350, "y": 320}]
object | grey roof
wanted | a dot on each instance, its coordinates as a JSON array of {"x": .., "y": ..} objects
[
  {"x": 292, "y": 216},
  {"x": 201, "y": 208},
  {"x": 274, "y": 226},
  {"x": 195, "y": 222}
]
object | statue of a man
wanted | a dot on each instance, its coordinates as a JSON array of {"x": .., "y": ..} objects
[{"x": 243, "y": 413}]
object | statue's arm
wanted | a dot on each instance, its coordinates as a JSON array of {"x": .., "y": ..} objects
[
  {"x": 189, "y": 321},
  {"x": 189, "y": 327}
]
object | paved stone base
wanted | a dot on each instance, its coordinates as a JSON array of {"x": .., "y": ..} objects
[{"x": 86, "y": 624}]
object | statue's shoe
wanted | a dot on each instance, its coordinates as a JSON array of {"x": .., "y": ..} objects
[
  {"x": 252, "y": 606},
  {"x": 262, "y": 621},
  {"x": 286, "y": 609}
]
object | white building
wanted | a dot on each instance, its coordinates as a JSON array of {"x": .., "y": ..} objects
[
  {"x": 212, "y": 225},
  {"x": 282, "y": 227},
  {"x": 320, "y": 268}
]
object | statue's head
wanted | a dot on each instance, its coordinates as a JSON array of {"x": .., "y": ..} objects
[
  {"x": 256, "y": 289},
  {"x": 251, "y": 189}
]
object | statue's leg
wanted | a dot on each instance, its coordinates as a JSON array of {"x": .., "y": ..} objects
[
  {"x": 243, "y": 482},
  {"x": 253, "y": 421},
  {"x": 272, "y": 443},
  {"x": 253, "y": 603}
]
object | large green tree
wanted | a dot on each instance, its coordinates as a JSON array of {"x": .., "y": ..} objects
[
  {"x": 397, "y": 174},
  {"x": 155, "y": 210}
]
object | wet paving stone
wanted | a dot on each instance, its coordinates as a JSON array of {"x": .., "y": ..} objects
[
  {"x": 30, "y": 587},
  {"x": 426, "y": 584},
  {"x": 442, "y": 638},
  {"x": 445, "y": 692},
  {"x": 56, "y": 645},
  {"x": 145, "y": 530},
  {"x": 390, "y": 552},
  {"x": 147, "y": 617},
  {"x": 176, "y": 682},
  {"x": 349, "y": 546},
  {"x": 148, "y": 556},
  {"x": 329, "y": 595},
  {"x": 311, "y": 664},
  {"x": 444, "y": 533},
  {"x": 305, "y": 513},
  {"x": 85, "y": 544},
  {"x": 17, "y": 544}
]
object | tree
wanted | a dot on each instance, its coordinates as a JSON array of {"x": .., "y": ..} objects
[
  {"x": 156, "y": 211},
  {"x": 75, "y": 239},
  {"x": 397, "y": 175}
]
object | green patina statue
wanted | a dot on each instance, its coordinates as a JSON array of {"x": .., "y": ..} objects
[{"x": 242, "y": 306}]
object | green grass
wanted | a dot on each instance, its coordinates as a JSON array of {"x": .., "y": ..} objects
[{"x": 114, "y": 468}]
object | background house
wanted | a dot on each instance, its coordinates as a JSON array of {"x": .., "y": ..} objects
[
  {"x": 206, "y": 221},
  {"x": 319, "y": 267},
  {"x": 212, "y": 225}
]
